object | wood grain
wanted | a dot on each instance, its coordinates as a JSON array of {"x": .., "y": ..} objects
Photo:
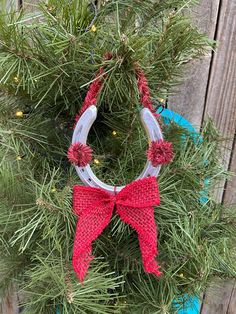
[
  {"x": 189, "y": 98},
  {"x": 221, "y": 96},
  {"x": 9, "y": 305},
  {"x": 9, "y": 5},
  {"x": 230, "y": 188},
  {"x": 218, "y": 297},
  {"x": 31, "y": 6},
  {"x": 232, "y": 303},
  {"x": 195, "y": 99},
  {"x": 221, "y": 106}
]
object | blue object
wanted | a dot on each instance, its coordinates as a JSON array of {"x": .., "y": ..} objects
[
  {"x": 204, "y": 193},
  {"x": 169, "y": 116},
  {"x": 188, "y": 305},
  {"x": 58, "y": 311}
]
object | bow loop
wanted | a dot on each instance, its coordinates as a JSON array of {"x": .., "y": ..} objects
[
  {"x": 84, "y": 200},
  {"x": 140, "y": 194}
]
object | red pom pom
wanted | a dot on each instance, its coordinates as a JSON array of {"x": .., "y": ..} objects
[
  {"x": 80, "y": 154},
  {"x": 160, "y": 152}
]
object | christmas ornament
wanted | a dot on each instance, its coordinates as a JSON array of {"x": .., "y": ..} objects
[{"x": 95, "y": 202}]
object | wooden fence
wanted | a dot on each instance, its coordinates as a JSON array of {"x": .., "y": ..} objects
[{"x": 208, "y": 90}]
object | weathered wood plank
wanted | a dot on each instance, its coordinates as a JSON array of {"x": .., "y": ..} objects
[
  {"x": 221, "y": 96},
  {"x": 220, "y": 105},
  {"x": 9, "y": 305},
  {"x": 30, "y": 6},
  {"x": 8, "y": 5},
  {"x": 217, "y": 298},
  {"x": 190, "y": 101},
  {"x": 230, "y": 194},
  {"x": 232, "y": 303},
  {"x": 189, "y": 98}
]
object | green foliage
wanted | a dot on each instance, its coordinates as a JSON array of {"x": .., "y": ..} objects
[
  {"x": 64, "y": 292},
  {"x": 53, "y": 54},
  {"x": 46, "y": 64}
]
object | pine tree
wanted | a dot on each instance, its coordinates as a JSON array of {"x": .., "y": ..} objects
[{"x": 47, "y": 62}]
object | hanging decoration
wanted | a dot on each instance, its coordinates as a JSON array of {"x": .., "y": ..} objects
[{"x": 94, "y": 203}]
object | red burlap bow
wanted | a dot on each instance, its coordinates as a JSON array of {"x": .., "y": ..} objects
[{"x": 134, "y": 204}]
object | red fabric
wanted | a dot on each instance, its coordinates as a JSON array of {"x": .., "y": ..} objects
[
  {"x": 134, "y": 204},
  {"x": 96, "y": 85},
  {"x": 80, "y": 154},
  {"x": 145, "y": 93},
  {"x": 92, "y": 94},
  {"x": 160, "y": 152}
]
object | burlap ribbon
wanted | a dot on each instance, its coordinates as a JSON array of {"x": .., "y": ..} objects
[{"x": 134, "y": 205}]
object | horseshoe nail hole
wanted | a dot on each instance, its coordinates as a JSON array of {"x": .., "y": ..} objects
[
  {"x": 89, "y": 179},
  {"x": 82, "y": 169}
]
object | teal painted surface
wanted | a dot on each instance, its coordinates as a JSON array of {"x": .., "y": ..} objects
[
  {"x": 188, "y": 305},
  {"x": 169, "y": 116}
]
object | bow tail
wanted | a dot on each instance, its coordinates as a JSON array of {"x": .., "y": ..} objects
[
  {"x": 142, "y": 220},
  {"x": 81, "y": 257},
  {"x": 90, "y": 225}
]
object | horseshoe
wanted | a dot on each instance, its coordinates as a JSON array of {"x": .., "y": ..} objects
[{"x": 81, "y": 132}]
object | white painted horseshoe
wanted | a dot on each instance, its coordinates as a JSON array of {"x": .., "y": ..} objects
[{"x": 81, "y": 132}]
